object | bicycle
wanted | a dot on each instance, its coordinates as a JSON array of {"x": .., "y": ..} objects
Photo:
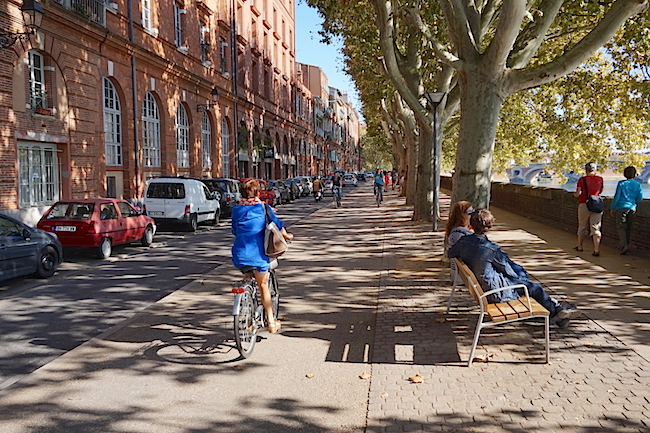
[
  {"x": 379, "y": 196},
  {"x": 248, "y": 312},
  {"x": 336, "y": 195}
]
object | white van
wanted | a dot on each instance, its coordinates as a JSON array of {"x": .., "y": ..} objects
[{"x": 180, "y": 200}]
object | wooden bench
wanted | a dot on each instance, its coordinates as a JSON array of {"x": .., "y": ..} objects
[{"x": 500, "y": 313}]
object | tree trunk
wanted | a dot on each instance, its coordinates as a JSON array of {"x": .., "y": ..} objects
[
  {"x": 480, "y": 107},
  {"x": 423, "y": 204},
  {"x": 411, "y": 162}
]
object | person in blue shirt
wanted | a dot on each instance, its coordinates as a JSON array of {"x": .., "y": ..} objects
[
  {"x": 623, "y": 208},
  {"x": 248, "y": 226},
  {"x": 494, "y": 269},
  {"x": 378, "y": 186}
]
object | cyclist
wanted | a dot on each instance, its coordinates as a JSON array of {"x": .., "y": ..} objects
[
  {"x": 378, "y": 186},
  {"x": 337, "y": 184},
  {"x": 248, "y": 225}
]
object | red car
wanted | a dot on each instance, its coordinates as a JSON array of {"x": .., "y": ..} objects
[{"x": 99, "y": 223}]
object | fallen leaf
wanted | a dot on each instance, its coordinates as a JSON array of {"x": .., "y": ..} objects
[
  {"x": 309, "y": 376},
  {"x": 416, "y": 379},
  {"x": 484, "y": 358},
  {"x": 440, "y": 320},
  {"x": 384, "y": 395},
  {"x": 237, "y": 367},
  {"x": 364, "y": 376},
  {"x": 588, "y": 343}
]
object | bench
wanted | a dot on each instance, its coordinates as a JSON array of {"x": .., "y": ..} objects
[{"x": 500, "y": 313}]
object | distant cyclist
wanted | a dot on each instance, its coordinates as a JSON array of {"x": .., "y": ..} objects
[
  {"x": 337, "y": 185},
  {"x": 378, "y": 186},
  {"x": 318, "y": 186}
]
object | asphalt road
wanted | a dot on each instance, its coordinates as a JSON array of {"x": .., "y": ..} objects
[{"x": 42, "y": 319}]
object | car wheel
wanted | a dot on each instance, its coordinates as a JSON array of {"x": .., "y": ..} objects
[
  {"x": 147, "y": 238},
  {"x": 105, "y": 248},
  {"x": 193, "y": 224},
  {"x": 47, "y": 261}
]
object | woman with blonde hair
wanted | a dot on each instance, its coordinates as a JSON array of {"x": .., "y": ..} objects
[{"x": 248, "y": 225}]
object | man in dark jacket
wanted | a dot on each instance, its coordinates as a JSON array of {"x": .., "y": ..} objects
[{"x": 494, "y": 269}]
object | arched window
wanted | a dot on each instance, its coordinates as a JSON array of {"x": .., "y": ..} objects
[
  {"x": 150, "y": 132},
  {"x": 112, "y": 124},
  {"x": 225, "y": 147},
  {"x": 206, "y": 141},
  {"x": 37, "y": 91},
  {"x": 182, "y": 138}
]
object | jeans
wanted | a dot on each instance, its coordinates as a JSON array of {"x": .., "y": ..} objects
[
  {"x": 379, "y": 189},
  {"x": 338, "y": 192},
  {"x": 624, "y": 220},
  {"x": 538, "y": 293}
]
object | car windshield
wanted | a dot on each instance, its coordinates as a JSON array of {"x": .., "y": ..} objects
[
  {"x": 71, "y": 211},
  {"x": 166, "y": 190}
]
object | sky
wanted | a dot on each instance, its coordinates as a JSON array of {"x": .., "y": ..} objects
[{"x": 328, "y": 57}]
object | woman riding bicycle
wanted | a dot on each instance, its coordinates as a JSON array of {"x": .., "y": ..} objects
[{"x": 248, "y": 225}]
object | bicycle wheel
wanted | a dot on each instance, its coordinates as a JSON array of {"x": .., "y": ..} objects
[{"x": 244, "y": 324}]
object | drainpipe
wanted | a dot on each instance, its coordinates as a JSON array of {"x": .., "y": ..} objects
[
  {"x": 233, "y": 76},
  {"x": 134, "y": 87}
]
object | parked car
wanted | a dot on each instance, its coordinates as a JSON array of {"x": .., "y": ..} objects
[
  {"x": 179, "y": 200},
  {"x": 293, "y": 188},
  {"x": 310, "y": 185},
  {"x": 285, "y": 194},
  {"x": 327, "y": 185},
  {"x": 361, "y": 177},
  {"x": 229, "y": 191},
  {"x": 100, "y": 223},
  {"x": 349, "y": 179},
  {"x": 25, "y": 250},
  {"x": 301, "y": 188},
  {"x": 369, "y": 175}
]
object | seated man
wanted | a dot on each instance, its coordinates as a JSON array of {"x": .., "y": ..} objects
[{"x": 493, "y": 269}]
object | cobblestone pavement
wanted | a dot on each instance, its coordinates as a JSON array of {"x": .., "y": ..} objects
[{"x": 594, "y": 382}]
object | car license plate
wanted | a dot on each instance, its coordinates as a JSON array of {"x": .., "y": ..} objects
[
  {"x": 156, "y": 213},
  {"x": 65, "y": 228}
]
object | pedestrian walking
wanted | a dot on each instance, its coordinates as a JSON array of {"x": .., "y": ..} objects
[
  {"x": 589, "y": 222},
  {"x": 623, "y": 208}
]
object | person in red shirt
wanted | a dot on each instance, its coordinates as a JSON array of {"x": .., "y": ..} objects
[{"x": 589, "y": 222}]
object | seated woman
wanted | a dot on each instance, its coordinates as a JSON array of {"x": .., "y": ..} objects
[
  {"x": 494, "y": 269},
  {"x": 248, "y": 225},
  {"x": 458, "y": 222}
]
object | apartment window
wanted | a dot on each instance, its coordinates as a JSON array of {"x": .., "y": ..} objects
[
  {"x": 206, "y": 141},
  {"x": 150, "y": 132},
  {"x": 178, "y": 25},
  {"x": 223, "y": 55},
  {"x": 182, "y": 138},
  {"x": 37, "y": 92},
  {"x": 146, "y": 14},
  {"x": 39, "y": 178},
  {"x": 255, "y": 78},
  {"x": 112, "y": 124},
  {"x": 205, "y": 44},
  {"x": 225, "y": 147}
]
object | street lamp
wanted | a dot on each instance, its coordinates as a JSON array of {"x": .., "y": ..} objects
[
  {"x": 214, "y": 96},
  {"x": 32, "y": 16},
  {"x": 434, "y": 99}
]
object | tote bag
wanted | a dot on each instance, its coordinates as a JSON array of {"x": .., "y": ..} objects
[{"x": 274, "y": 243}]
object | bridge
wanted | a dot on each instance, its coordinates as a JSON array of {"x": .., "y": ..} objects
[{"x": 521, "y": 174}]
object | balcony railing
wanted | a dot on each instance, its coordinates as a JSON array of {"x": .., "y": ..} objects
[
  {"x": 93, "y": 10},
  {"x": 38, "y": 99}
]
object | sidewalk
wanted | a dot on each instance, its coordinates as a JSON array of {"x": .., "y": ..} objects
[{"x": 363, "y": 295}]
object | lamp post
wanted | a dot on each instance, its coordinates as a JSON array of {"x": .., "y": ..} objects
[
  {"x": 32, "y": 16},
  {"x": 214, "y": 97},
  {"x": 434, "y": 99}
]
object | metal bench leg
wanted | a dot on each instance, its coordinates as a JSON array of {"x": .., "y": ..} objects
[
  {"x": 547, "y": 337},
  {"x": 451, "y": 296},
  {"x": 476, "y": 335}
]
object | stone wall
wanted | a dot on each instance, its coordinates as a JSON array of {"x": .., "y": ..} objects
[{"x": 559, "y": 208}]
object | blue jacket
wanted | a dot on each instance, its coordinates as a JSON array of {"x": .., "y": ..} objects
[
  {"x": 248, "y": 224},
  {"x": 491, "y": 266},
  {"x": 628, "y": 192}
]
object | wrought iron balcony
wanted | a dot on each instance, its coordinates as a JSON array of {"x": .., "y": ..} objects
[{"x": 93, "y": 10}]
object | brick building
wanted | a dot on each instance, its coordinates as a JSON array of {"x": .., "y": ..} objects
[{"x": 102, "y": 97}]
